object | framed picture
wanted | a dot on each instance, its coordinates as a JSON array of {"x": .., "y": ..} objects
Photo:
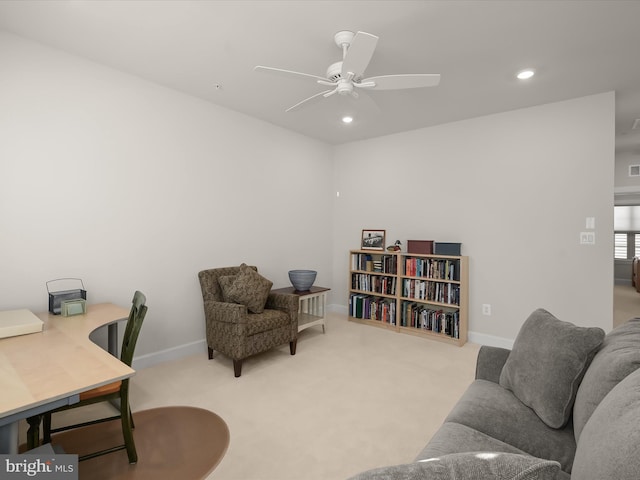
[{"x": 372, "y": 240}]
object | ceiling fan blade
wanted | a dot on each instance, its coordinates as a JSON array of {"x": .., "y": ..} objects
[
  {"x": 317, "y": 96},
  {"x": 397, "y": 82},
  {"x": 328, "y": 84},
  {"x": 288, "y": 73},
  {"x": 359, "y": 54}
]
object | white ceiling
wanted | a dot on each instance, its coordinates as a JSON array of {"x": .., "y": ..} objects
[{"x": 576, "y": 47}]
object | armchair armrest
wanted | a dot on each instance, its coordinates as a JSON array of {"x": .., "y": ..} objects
[
  {"x": 490, "y": 362},
  {"x": 284, "y": 301},
  {"x": 225, "y": 312}
]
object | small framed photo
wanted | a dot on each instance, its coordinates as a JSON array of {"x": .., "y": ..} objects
[{"x": 372, "y": 240}]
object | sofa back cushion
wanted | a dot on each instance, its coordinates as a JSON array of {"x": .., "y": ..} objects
[
  {"x": 610, "y": 441},
  {"x": 547, "y": 363},
  {"x": 617, "y": 358},
  {"x": 469, "y": 466}
]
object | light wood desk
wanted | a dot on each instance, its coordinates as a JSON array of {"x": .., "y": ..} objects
[{"x": 48, "y": 369}]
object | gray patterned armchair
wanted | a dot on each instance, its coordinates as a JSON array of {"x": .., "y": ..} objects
[{"x": 243, "y": 317}]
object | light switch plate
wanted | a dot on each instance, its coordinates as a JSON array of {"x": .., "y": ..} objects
[{"x": 587, "y": 238}]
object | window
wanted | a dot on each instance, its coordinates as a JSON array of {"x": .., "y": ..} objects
[
  {"x": 620, "y": 243},
  {"x": 626, "y": 232}
]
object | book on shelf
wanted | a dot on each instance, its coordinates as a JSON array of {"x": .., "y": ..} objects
[
  {"x": 370, "y": 307},
  {"x": 435, "y": 268},
  {"x": 420, "y": 316},
  {"x": 373, "y": 283}
]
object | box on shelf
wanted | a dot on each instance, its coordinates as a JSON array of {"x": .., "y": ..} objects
[
  {"x": 420, "y": 246},
  {"x": 448, "y": 248}
]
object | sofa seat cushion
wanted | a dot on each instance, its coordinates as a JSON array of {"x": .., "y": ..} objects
[
  {"x": 457, "y": 438},
  {"x": 469, "y": 466},
  {"x": 547, "y": 363},
  {"x": 497, "y": 412},
  {"x": 608, "y": 445},
  {"x": 617, "y": 358},
  {"x": 266, "y": 321}
]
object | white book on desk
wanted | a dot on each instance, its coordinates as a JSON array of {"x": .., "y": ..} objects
[{"x": 19, "y": 322}]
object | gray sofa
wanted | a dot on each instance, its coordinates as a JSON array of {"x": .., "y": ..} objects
[{"x": 564, "y": 403}]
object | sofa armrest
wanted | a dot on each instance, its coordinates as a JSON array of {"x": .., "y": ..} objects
[{"x": 490, "y": 362}]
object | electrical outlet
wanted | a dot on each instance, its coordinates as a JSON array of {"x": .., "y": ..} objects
[{"x": 486, "y": 309}]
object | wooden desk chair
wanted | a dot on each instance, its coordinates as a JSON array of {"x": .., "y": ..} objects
[{"x": 118, "y": 391}]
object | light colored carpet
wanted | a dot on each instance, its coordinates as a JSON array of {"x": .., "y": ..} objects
[
  {"x": 626, "y": 304},
  {"x": 352, "y": 399}
]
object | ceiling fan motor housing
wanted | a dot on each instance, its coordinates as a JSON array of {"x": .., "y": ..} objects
[
  {"x": 334, "y": 72},
  {"x": 344, "y": 37}
]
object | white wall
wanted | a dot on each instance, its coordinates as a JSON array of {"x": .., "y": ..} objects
[
  {"x": 129, "y": 185},
  {"x": 514, "y": 188},
  {"x": 173, "y": 184},
  {"x": 622, "y": 179}
]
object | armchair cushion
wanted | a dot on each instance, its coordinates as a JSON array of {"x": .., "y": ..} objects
[
  {"x": 547, "y": 363},
  {"x": 225, "y": 285},
  {"x": 249, "y": 288}
]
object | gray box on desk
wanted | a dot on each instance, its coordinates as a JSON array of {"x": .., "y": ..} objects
[
  {"x": 64, "y": 294},
  {"x": 56, "y": 299},
  {"x": 448, "y": 248}
]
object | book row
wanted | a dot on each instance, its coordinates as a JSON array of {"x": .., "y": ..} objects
[
  {"x": 415, "y": 315},
  {"x": 378, "y": 264},
  {"x": 440, "y": 292},
  {"x": 372, "y": 308},
  {"x": 432, "y": 268},
  {"x": 374, "y": 283}
]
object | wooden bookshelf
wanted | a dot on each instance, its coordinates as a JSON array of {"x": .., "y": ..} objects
[{"x": 416, "y": 294}]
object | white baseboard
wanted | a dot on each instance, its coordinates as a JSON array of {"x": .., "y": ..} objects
[
  {"x": 342, "y": 309},
  {"x": 151, "y": 359},
  {"x": 490, "y": 340}
]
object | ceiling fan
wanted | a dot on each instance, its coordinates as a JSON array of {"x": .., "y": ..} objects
[{"x": 346, "y": 77}]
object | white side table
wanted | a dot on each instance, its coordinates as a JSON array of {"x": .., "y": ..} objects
[{"x": 313, "y": 304}]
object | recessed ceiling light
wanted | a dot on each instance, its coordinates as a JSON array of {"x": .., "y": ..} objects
[
  {"x": 347, "y": 119},
  {"x": 524, "y": 74}
]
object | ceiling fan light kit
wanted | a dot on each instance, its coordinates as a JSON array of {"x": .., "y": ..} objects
[
  {"x": 526, "y": 74},
  {"x": 345, "y": 76}
]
